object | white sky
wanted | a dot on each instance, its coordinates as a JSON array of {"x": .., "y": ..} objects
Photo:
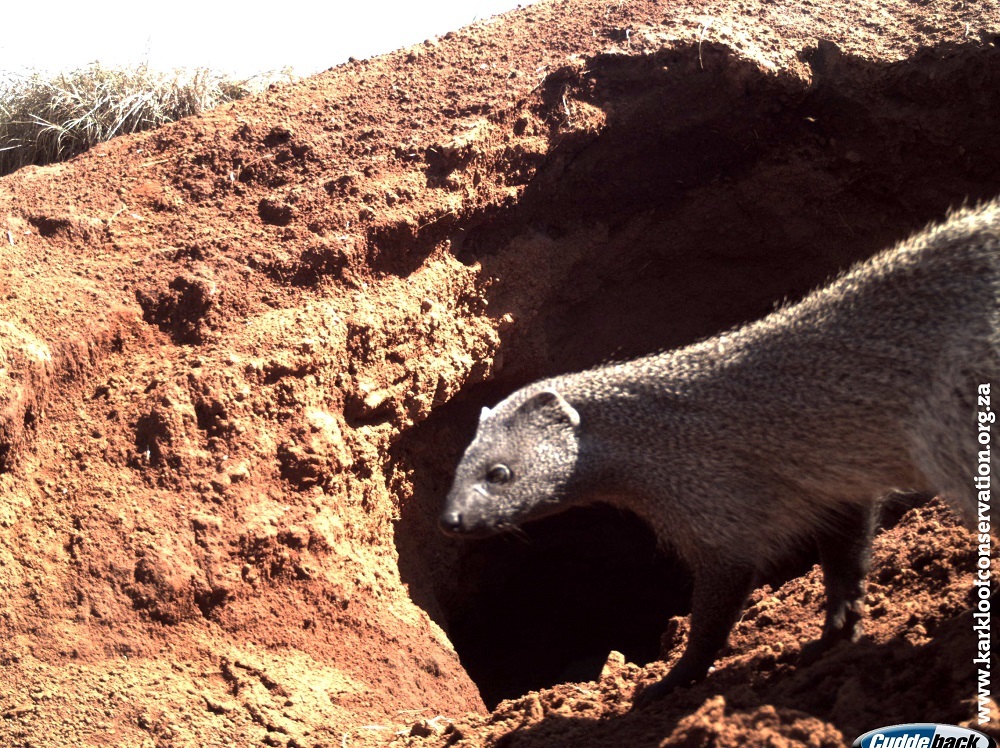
[{"x": 237, "y": 38}]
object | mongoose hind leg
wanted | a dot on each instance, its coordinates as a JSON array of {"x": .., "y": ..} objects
[
  {"x": 720, "y": 590},
  {"x": 845, "y": 555}
]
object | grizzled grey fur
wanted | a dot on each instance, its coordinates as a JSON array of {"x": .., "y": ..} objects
[{"x": 790, "y": 427}]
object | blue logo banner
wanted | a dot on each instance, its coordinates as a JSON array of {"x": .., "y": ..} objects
[{"x": 924, "y": 735}]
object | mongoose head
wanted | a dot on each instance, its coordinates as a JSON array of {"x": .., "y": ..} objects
[{"x": 517, "y": 467}]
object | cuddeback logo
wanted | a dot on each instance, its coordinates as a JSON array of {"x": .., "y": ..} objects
[{"x": 924, "y": 736}]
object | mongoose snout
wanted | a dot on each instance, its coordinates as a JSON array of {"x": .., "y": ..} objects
[
  {"x": 451, "y": 521},
  {"x": 793, "y": 427},
  {"x": 455, "y": 523}
]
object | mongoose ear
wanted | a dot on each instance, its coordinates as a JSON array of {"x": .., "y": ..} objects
[
  {"x": 551, "y": 399},
  {"x": 484, "y": 414}
]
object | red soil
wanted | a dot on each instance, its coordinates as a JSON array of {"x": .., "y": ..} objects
[{"x": 239, "y": 357}]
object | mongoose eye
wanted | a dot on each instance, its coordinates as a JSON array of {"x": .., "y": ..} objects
[{"x": 498, "y": 474}]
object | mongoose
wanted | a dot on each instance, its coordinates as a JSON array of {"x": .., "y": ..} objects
[{"x": 788, "y": 428}]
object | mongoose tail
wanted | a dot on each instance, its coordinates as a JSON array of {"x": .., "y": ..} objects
[{"x": 792, "y": 427}]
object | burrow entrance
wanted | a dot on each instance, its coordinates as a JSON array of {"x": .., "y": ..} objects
[{"x": 714, "y": 191}]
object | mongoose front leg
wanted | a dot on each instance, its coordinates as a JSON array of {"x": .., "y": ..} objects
[
  {"x": 845, "y": 555},
  {"x": 719, "y": 593}
]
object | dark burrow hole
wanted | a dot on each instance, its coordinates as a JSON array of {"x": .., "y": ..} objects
[
  {"x": 710, "y": 195},
  {"x": 595, "y": 572}
]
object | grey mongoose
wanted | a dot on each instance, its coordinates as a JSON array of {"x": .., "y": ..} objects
[{"x": 792, "y": 427}]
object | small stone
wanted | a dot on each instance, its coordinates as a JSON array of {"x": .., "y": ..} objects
[
  {"x": 614, "y": 663},
  {"x": 219, "y": 706},
  {"x": 239, "y": 472}
]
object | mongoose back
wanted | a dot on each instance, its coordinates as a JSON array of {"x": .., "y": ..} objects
[{"x": 791, "y": 427}]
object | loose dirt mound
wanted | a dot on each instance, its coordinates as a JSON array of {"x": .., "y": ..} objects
[{"x": 240, "y": 356}]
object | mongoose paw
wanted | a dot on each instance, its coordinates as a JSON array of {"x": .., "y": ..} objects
[
  {"x": 813, "y": 651},
  {"x": 646, "y": 695},
  {"x": 681, "y": 675},
  {"x": 846, "y": 627}
]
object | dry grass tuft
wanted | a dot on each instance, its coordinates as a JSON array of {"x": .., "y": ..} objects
[{"x": 47, "y": 119}]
